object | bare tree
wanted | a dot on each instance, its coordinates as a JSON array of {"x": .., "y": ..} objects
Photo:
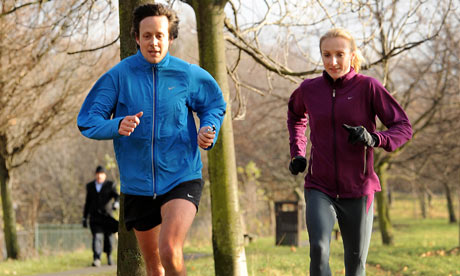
[
  {"x": 391, "y": 31},
  {"x": 437, "y": 149},
  {"x": 227, "y": 236},
  {"x": 39, "y": 84}
]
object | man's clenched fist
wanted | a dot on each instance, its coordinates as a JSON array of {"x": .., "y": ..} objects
[{"x": 129, "y": 123}]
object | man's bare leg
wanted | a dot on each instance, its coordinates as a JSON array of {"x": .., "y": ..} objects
[
  {"x": 148, "y": 244},
  {"x": 177, "y": 217}
]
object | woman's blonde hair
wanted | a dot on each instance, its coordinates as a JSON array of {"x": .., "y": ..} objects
[{"x": 338, "y": 32}]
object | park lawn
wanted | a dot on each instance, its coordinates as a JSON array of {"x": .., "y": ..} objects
[
  {"x": 48, "y": 264},
  {"x": 421, "y": 247}
]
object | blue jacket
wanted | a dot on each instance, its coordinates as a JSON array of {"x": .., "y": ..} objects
[{"x": 162, "y": 152}]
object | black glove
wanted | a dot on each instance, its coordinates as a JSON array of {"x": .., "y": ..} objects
[
  {"x": 360, "y": 134},
  {"x": 84, "y": 222},
  {"x": 297, "y": 164}
]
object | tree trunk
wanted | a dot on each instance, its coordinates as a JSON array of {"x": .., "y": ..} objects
[
  {"x": 9, "y": 218},
  {"x": 271, "y": 208},
  {"x": 422, "y": 200},
  {"x": 130, "y": 260},
  {"x": 450, "y": 203},
  {"x": 382, "y": 206},
  {"x": 227, "y": 238}
]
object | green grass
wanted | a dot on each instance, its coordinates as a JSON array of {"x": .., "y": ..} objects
[
  {"x": 55, "y": 263},
  {"x": 421, "y": 247},
  {"x": 48, "y": 264}
]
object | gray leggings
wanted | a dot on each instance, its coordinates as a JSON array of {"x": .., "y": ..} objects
[{"x": 355, "y": 226}]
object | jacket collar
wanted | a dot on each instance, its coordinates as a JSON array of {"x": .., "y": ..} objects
[
  {"x": 143, "y": 63},
  {"x": 342, "y": 81}
]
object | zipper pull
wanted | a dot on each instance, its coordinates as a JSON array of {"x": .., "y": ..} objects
[
  {"x": 154, "y": 195},
  {"x": 333, "y": 93}
]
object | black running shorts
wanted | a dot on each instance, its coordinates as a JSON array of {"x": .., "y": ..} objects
[{"x": 143, "y": 212}]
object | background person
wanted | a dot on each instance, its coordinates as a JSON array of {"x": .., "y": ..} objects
[
  {"x": 340, "y": 108},
  {"x": 101, "y": 198},
  {"x": 145, "y": 104}
]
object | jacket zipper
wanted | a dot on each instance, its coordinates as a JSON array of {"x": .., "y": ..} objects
[
  {"x": 334, "y": 141},
  {"x": 311, "y": 163},
  {"x": 365, "y": 160},
  {"x": 153, "y": 131}
]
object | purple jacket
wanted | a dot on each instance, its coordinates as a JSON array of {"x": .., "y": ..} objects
[{"x": 337, "y": 167}]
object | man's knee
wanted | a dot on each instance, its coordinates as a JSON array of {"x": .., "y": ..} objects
[
  {"x": 171, "y": 256},
  {"x": 153, "y": 265},
  {"x": 98, "y": 239},
  {"x": 154, "y": 269}
]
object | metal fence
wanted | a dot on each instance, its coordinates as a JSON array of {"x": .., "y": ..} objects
[
  {"x": 61, "y": 237},
  {"x": 44, "y": 238}
]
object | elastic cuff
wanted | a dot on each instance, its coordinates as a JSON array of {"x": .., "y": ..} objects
[
  {"x": 376, "y": 139},
  {"x": 115, "y": 131}
]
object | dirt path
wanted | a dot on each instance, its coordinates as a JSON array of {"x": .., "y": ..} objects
[
  {"x": 106, "y": 269},
  {"x": 84, "y": 271}
]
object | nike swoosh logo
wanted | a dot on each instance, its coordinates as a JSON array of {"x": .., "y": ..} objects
[
  {"x": 350, "y": 98},
  {"x": 171, "y": 88},
  {"x": 189, "y": 196}
]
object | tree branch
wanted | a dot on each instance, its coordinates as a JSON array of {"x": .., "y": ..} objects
[
  {"x": 16, "y": 8},
  {"x": 95, "y": 49},
  {"x": 263, "y": 60}
]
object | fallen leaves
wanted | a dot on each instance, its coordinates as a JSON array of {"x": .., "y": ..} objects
[{"x": 441, "y": 252}]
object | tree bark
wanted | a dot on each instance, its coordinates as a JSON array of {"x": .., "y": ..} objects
[
  {"x": 227, "y": 237},
  {"x": 450, "y": 203},
  {"x": 130, "y": 260},
  {"x": 9, "y": 218},
  {"x": 382, "y": 206},
  {"x": 422, "y": 200}
]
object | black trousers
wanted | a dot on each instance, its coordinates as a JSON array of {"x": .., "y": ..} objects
[
  {"x": 102, "y": 241},
  {"x": 355, "y": 225}
]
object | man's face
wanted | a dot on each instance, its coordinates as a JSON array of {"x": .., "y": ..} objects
[
  {"x": 153, "y": 38},
  {"x": 100, "y": 177}
]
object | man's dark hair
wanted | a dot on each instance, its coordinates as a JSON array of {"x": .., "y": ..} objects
[{"x": 147, "y": 10}]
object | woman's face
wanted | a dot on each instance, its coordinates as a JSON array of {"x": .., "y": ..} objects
[{"x": 337, "y": 56}]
